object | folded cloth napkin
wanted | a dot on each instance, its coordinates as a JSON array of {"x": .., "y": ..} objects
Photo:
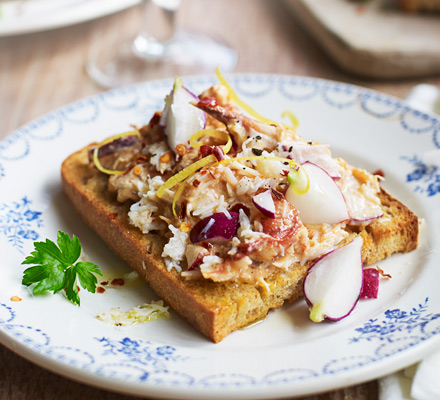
[
  {"x": 420, "y": 381},
  {"x": 425, "y": 98}
]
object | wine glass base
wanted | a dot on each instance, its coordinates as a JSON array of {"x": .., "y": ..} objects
[{"x": 129, "y": 62}]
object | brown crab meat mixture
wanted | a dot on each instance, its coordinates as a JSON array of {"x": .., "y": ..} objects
[{"x": 259, "y": 245}]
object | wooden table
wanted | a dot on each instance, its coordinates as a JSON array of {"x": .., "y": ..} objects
[{"x": 44, "y": 71}]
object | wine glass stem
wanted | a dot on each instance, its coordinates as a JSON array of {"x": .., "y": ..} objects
[
  {"x": 160, "y": 18},
  {"x": 158, "y": 28}
]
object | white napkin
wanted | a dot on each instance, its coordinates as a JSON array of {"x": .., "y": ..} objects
[
  {"x": 425, "y": 98},
  {"x": 420, "y": 381},
  {"x": 426, "y": 383}
]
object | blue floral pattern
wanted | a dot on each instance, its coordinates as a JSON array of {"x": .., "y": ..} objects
[
  {"x": 126, "y": 358},
  {"x": 139, "y": 360},
  {"x": 395, "y": 322},
  {"x": 18, "y": 222},
  {"x": 140, "y": 352},
  {"x": 426, "y": 177}
]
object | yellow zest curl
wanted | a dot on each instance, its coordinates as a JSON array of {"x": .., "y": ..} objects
[
  {"x": 294, "y": 121},
  {"x": 239, "y": 102},
  {"x": 103, "y": 143},
  {"x": 184, "y": 174},
  {"x": 214, "y": 133}
]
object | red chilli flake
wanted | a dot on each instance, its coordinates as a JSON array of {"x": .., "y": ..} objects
[
  {"x": 218, "y": 153},
  {"x": 379, "y": 172},
  {"x": 206, "y": 150},
  {"x": 208, "y": 102},
  {"x": 100, "y": 289},
  {"x": 112, "y": 215},
  {"x": 118, "y": 282},
  {"x": 183, "y": 206},
  {"x": 141, "y": 159},
  {"x": 155, "y": 119}
]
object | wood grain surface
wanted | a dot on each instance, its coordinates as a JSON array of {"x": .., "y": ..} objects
[{"x": 43, "y": 71}]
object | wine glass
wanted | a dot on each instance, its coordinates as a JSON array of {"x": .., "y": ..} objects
[{"x": 160, "y": 50}]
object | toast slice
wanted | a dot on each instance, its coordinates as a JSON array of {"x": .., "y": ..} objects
[{"x": 214, "y": 308}]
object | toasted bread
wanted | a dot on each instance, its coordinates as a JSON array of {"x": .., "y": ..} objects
[{"x": 214, "y": 308}]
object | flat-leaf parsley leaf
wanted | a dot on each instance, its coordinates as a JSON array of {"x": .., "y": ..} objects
[{"x": 55, "y": 269}]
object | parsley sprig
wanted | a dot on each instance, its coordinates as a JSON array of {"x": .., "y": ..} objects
[{"x": 55, "y": 268}]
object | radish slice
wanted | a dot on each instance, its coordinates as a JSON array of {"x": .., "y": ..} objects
[
  {"x": 371, "y": 284},
  {"x": 318, "y": 154},
  {"x": 180, "y": 118},
  {"x": 218, "y": 225},
  {"x": 333, "y": 284},
  {"x": 323, "y": 202},
  {"x": 194, "y": 256},
  {"x": 264, "y": 203}
]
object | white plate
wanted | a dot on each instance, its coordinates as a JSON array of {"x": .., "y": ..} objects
[
  {"x": 285, "y": 355},
  {"x": 26, "y": 16}
]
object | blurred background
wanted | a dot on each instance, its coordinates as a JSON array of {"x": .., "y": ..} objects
[
  {"x": 44, "y": 48},
  {"x": 47, "y": 47}
]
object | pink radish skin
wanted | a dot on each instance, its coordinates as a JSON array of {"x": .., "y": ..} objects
[
  {"x": 323, "y": 202},
  {"x": 264, "y": 203},
  {"x": 360, "y": 221},
  {"x": 334, "y": 283},
  {"x": 195, "y": 255},
  {"x": 217, "y": 225},
  {"x": 370, "y": 289}
]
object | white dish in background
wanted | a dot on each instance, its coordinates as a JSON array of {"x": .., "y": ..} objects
[
  {"x": 27, "y": 16},
  {"x": 285, "y": 355}
]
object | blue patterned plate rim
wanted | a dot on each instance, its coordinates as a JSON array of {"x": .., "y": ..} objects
[{"x": 284, "y": 356}]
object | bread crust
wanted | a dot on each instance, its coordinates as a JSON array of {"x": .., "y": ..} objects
[{"x": 214, "y": 308}]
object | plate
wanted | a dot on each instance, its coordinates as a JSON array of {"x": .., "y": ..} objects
[
  {"x": 21, "y": 16},
  {"x": 284, "y": 355}
]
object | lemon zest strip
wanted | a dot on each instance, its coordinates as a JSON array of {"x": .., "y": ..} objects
[
  {"x": 214, "y": 133},
  {"x": 184, "y": 174},
  {"x": 210, "y": 160},
  {"x": 103, "y": 143},
  {"x": 246, "y": 107},
  {"x": 293, "y": 119}
]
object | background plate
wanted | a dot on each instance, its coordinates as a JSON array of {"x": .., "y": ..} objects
[
  {"x": 21, "y": 16},
  {"x": 284, "y": 355}
]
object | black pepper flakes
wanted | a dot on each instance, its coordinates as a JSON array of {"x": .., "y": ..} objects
[{"x": 257, "y": 152}]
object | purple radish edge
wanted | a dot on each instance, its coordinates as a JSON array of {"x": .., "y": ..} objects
[{"x": 309, "y": 303}]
